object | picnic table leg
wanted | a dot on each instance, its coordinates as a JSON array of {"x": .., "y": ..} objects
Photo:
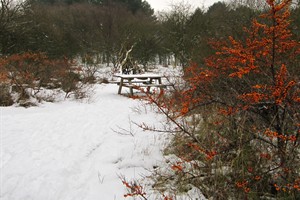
[
  {"x": 130, "y": 89},
  {"x": 161, "y": 89},
  {"x": 120, "y": 86},
  {"x": 159, "y": 80}
]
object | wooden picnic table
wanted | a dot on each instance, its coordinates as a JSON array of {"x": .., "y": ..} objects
[{"x": 137, "y": 81}]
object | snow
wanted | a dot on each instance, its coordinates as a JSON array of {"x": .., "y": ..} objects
[{"x": 74, "y": 150}]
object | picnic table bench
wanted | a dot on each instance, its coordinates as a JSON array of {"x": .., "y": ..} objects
[{"x": 137, "y": 81}]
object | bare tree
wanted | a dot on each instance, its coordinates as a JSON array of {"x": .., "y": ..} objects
[
  {"x": 175, "y": 32},
  {"x": 8, "y": 13}
]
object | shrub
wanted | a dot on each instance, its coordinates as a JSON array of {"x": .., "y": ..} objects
[
  {"x": 69, "y": 81},
  {"x": 5, "y": 97},
  {"x": 237, "y": 123},
  {"x": 29, "y": 72}
]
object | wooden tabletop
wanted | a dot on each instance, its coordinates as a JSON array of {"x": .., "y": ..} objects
[{"x": 138, "y": 75}]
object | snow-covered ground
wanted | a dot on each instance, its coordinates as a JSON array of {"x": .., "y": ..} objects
[{"x": 76, "y": 150}]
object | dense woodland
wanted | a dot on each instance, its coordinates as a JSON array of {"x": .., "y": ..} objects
[{"x": 105, "y": 28}]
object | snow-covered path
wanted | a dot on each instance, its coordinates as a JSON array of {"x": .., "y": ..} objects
[{"x": 70, "y": 151}]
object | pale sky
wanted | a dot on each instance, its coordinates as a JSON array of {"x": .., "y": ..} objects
[{"x": 160, "y": 5}]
